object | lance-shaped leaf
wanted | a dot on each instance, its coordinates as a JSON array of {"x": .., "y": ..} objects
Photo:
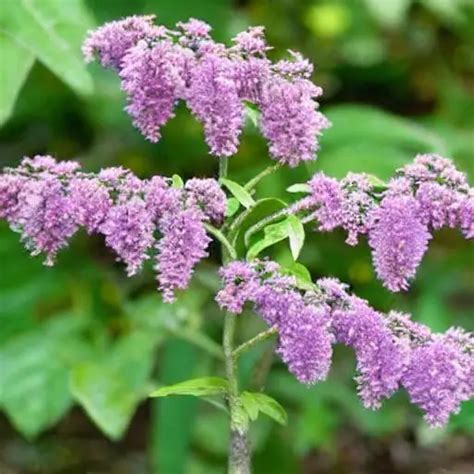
[
  {"x": 296, "y": 235},
  {"x": 255, "y": 402},
  {"x": 239, "y": 192},
  {"x": 290, "y": 227},
  {"x": 252, "y": 113},
  {"x": 177, "y": 181},
  {"x": 299, "y": 188},
  {"x": 200, "y": 387},
  {"x": 232, "y": 207},
  {"x": 301, "y": 274}
]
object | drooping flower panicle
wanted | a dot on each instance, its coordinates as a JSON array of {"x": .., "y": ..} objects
[
  {"x": 159, "y": 67},
  {"x": 153, "y": 77},
  {"x": 392, "y": 351},
  {"x": 398, "y": 240},
  {"x": 48, "y": 201},
  {"x": 111, "y": 42},
  {"x": 398, "y": 218}
]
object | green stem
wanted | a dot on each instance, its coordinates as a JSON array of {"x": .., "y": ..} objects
[
  {"x": 223, "y": 166},
  {"x": 263, "y": 223},
  {"x": 249, "y": 186},
  {"x": 255, "y": 180},
  {"x": 238, "y": 220},
  {"x": 222, "y": 239},
  {"x": 254, "y": 341},
  {"x": 239, "y": 452},
  {"x": 307, "y": 219}
]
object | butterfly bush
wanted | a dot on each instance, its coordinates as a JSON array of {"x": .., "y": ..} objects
[
  {"x": 159, "y": 68},
  {"x": 392, "y": 351},
  {"x": 48, "y": 201},
  {"x": 398, "y": 218}
]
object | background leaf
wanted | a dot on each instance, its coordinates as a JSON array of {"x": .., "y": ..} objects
[
  {"x": 110, "y": 387},
  {"x": 48, "y": 30},
  {"x": 389, "y": 13},
  {"x": 364, "y": 139},
  {"x": 16, "y": 64},
  {"x": 34, "y": 389},
  {"x": 173, "y": 418}
]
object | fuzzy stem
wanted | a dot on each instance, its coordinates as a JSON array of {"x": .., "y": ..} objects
[
  {"x": 254, "y": 341},
  {"x": 239, "y": 451},
  {"x": 263, "y": 223},
  {"x": 222, "y": 239},
  {"x": 255, "y": 180}
]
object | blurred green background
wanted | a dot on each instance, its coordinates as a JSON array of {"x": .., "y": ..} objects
[{"x": 81, "y": 345}]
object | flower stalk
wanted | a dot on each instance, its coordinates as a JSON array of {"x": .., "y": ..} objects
[
  {"x": 263, "y": 336},
  {"x": 239, "y": 451},
  {"x": 256, "y": 179}
]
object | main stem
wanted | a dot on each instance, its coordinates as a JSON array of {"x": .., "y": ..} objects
[{"x": 239, "y": 451}]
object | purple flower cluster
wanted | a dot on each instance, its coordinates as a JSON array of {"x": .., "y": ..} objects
[
  {"x": 398, "y": 240},
  {"x": 305, "y": 343},
  {"x": 392, "y": 351},
  {"x": 398, "y": 218},
  {"x": 183, "y": 245},
  {"x": 381, "y": 358},
  {"x": 438, "y": 378},
  {"x": 160, "y": 67},
  {"x": 152, "y": 78},
  {"x": 111, "y": 42},
  {"x": 47, "y": 201}
]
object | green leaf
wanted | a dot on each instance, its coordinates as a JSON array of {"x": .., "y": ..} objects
[
  {"x": 451, "y": 12},
  {"x": 34, "y": 389},
  {"x": 177, "y": 181},
  {"x": 255, "y": 402},
  {"x": 299, "y": 188},
  {"x": 389, "y": 13},
  {"x": 376, "y": 182},
  {"x": 301, "y": 275},
  {"x": 232, "y": 206},
  {"x": 44, "y": 29},
  {"x": 364, "y": 139},
  {"x": 110, "y": 387},
  {"x": 353, "y": 123},
  {"x": 200, "y": 387},
  {"x": 296, "y": 235},
  {"x": 290, "y": 227},
  {"x": 262, "y": 209},
  {"x": 273, "y": 234},
  {"x": 239, "y": 192},
  {"x": 15, "y": 66},
  {"x": 252, "y": 112},
  {"x": 35, "y": 392}
]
